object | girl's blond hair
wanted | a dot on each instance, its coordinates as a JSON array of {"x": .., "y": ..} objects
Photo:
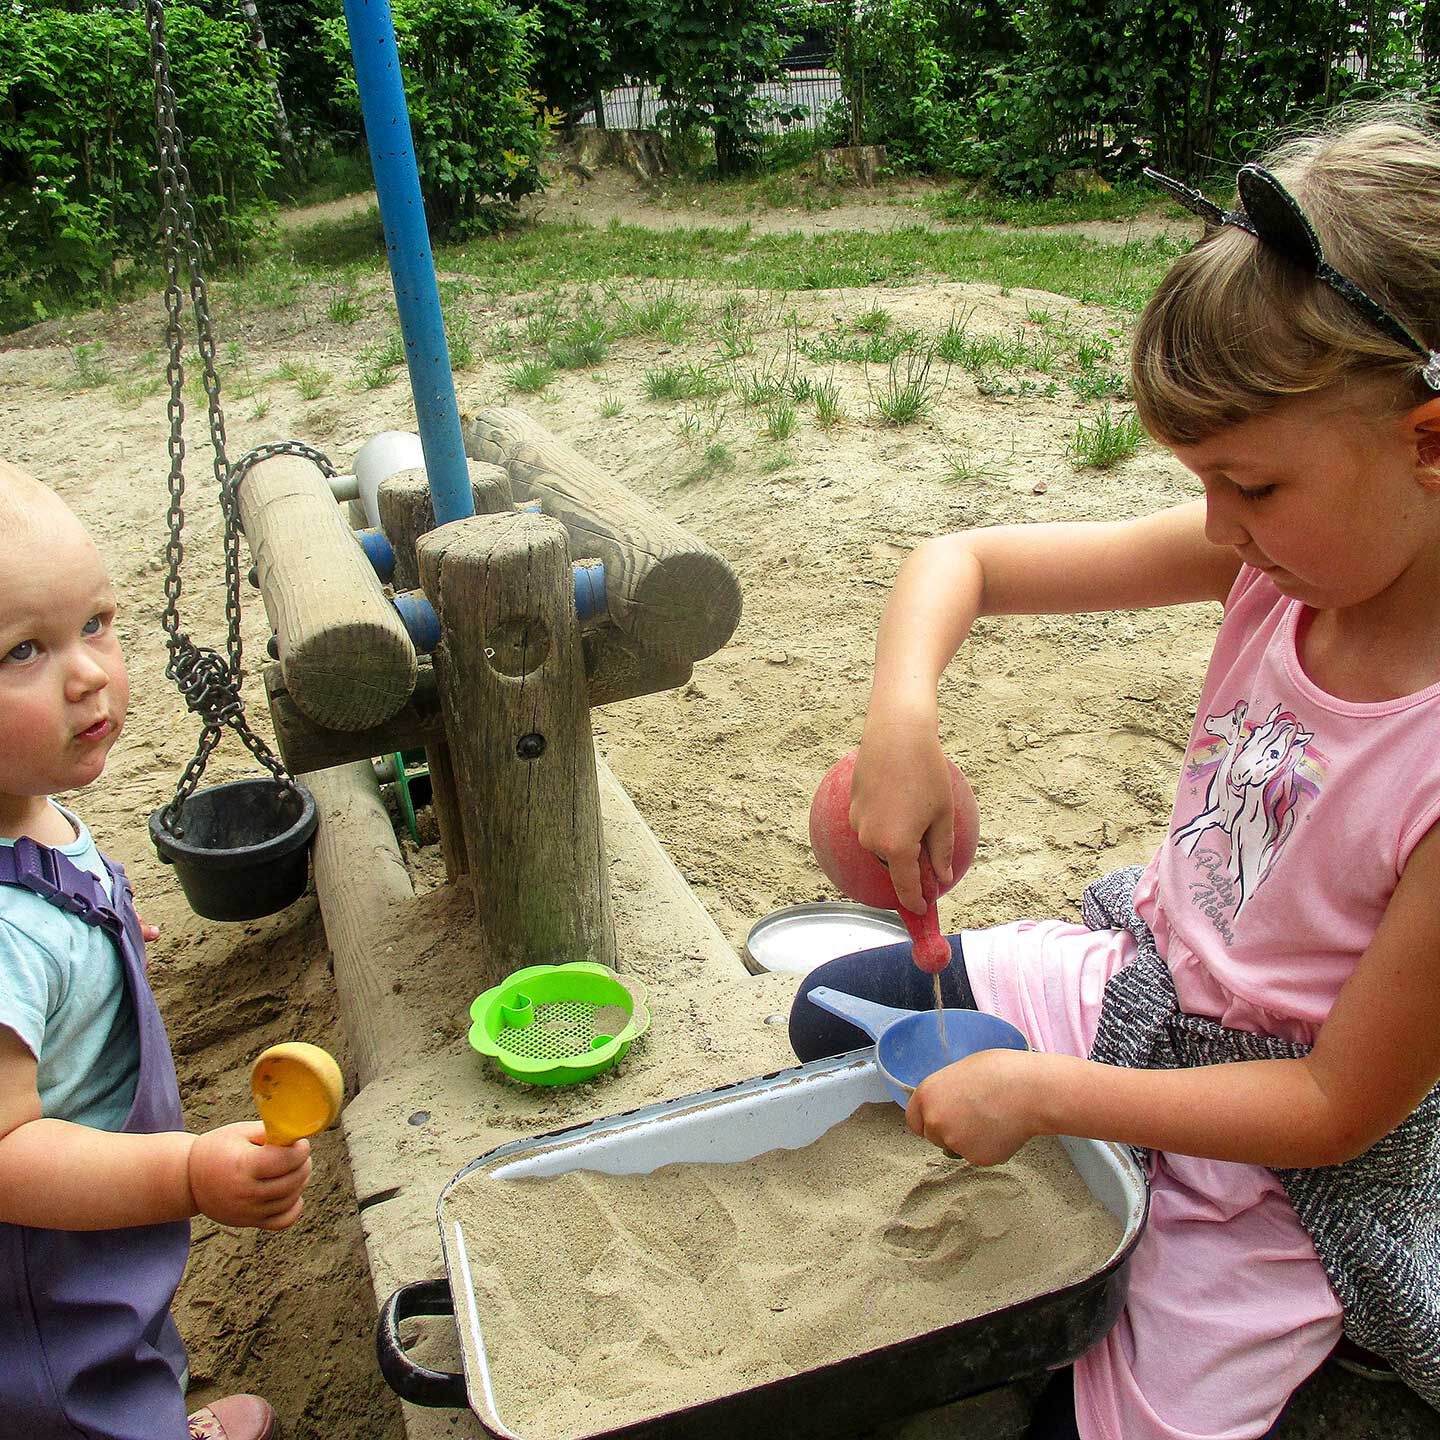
[{"x": 1235, "y": 327}]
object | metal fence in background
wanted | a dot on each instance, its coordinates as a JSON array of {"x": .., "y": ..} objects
[{"x": 809, "y": 84}]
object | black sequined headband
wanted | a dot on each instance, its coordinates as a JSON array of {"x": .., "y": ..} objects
[{"x": 1271, "y": 214}]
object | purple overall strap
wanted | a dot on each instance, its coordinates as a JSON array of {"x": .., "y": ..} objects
[{"x": 56, "y": 878}]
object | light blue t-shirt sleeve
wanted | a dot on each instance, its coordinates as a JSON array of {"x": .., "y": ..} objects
[{"x": 29, "y": 981}]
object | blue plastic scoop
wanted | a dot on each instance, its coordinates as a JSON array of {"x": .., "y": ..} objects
[{"x": 907, "y": 1042}]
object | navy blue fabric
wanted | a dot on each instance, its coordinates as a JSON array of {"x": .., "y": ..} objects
[
  {"x": 888, "y": 976},
  {"x": 1054, "y": 1415},
  {"x": 87, "y": 1345}
]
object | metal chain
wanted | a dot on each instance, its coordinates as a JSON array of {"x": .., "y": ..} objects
[{"x": 208, "y": 681}]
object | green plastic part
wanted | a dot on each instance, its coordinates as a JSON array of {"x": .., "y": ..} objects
[
  {"x": 559, "y": 1024},
  {"x": 408, "y": 765}
]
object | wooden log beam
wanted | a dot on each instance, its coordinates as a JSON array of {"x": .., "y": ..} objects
[
  {"x": 670, "y": 594},
  {"x": 348, "y": 661},
  {"x": 362, "y": 881},
  {"x": 512, "y": 686},
  {"x": 613, "y": 673},
  {"x": 304, "y": 745}
]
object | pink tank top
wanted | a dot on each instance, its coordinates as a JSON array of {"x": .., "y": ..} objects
[{"x": 1294, "y": 816}]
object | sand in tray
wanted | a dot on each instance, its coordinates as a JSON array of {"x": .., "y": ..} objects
[{"x": 606, "y": 1299}]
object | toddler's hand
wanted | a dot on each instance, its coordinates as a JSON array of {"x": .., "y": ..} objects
[
  {"x": 237, "y": 1179},
  {"x": 975, "y": 1108}
]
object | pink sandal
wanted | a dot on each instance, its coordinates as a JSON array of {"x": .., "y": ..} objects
[{"x": 236, "y": 1417}]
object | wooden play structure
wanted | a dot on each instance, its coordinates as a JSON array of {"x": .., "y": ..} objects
[
  {"x": 502, "y": 704},
  {"x": 509, "y": 587}
]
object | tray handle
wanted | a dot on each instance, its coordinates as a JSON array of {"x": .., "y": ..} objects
[{"x": 417, "y": 1383}]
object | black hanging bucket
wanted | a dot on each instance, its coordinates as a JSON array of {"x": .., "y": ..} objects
[{"x": 246, "y": 848}]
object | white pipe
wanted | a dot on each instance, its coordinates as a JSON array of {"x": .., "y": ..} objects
[
  {"x": 378, "y": 458},
  {"x": 344, "y": 487}
]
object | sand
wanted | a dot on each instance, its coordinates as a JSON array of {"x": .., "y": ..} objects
[
  {"x": 607, "y": 1299},
  {"x": 1070, "y": 728}
]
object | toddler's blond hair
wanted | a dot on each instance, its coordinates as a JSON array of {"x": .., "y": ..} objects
[{"x": 1235, "y": 327}]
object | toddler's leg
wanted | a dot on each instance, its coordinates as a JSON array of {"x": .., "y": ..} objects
[{"x": 886, "y": 975}]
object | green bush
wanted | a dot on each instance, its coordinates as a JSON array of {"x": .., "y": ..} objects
[
  {"x": 708, "y": 58},
  {"x": 572, "y": 55},
  {"x": 478, "y": 127},
  {"x": 309, "y": 77},
  {"x": 77, "y": 145}
]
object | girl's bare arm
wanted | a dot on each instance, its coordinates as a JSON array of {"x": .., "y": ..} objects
[{"x": 901, "y": 793}]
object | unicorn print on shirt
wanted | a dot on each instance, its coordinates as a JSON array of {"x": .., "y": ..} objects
[{"x": 1252, "y": 794}]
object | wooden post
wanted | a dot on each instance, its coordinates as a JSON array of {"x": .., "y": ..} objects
[
  {"x": 611, "y": 673},
  {"x": 512, "y": 685},
  {"x": 407, "y": 511},
  {"x": 347, "y": 658}
]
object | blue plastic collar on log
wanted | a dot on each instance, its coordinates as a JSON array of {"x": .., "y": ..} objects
[
  {"x": 423, "y": 624},
  {"x": 589, "y": 591},
  {"x": 378, "y": 551},
  {"x": 420, "y": 620},
  {"x": 412, "y": 266}
]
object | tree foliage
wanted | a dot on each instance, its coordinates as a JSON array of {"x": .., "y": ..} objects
[
  {"x": 574, "y": 55},
  {"x": 708, "y": 57},
  {"x": 1022, "y": 90},
  {"x": 310, "y": 75},
  {"x": 78, "y": 193},
  {"x": 478, "y": 126}
]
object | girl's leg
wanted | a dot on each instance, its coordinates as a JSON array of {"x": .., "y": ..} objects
[
  {"x": 1229, "y": 1311},
  {"x": 886, "y": 975}
]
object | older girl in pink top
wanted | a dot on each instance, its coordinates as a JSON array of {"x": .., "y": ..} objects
[{"x": 1260, "y": 1009}]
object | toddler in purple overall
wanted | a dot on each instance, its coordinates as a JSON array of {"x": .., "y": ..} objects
[
  {"x": 85, "y": 1323},
  {"x": 98, "y": 1177}
]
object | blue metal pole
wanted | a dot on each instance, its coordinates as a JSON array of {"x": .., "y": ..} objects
[{"x": 412, "y": 266}]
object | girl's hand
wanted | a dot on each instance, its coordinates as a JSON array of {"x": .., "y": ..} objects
[
  {"x": 237, "y": 1179},
  {"x": 978, "y": 1107},
  {"x": 899, "y": 797},
  {"x": 148, "y": 932}
]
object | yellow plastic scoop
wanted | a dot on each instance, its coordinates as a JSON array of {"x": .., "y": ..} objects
[{"x": 298, "y": 1091}]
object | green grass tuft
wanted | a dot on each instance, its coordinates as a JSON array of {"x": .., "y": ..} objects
[
  {"x": 1107, "y": 441},
  {"x": 530, "y": 377},
  {"x": 679, "y": 382},
  {"x": 780, "y": 420},
  {"x": 828, "y": 409},
  {"x": 908, "y": 392},
  {"x": 343, "y": 308}
]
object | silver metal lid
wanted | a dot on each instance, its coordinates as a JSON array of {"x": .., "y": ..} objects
[{"x": 797, "y": 938}]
